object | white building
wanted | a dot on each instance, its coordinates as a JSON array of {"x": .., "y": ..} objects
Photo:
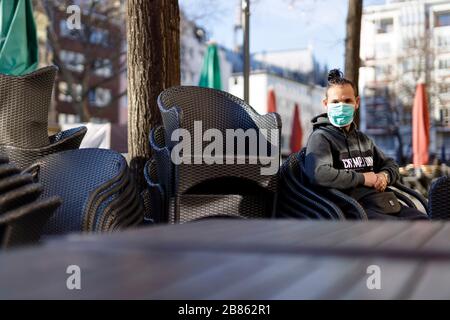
[
  {"x": 402, "y": 43},
  {"x": 299, "y": 60},
  {"x": 288, "y": 93},
  {"x": 193, "y": 47}
]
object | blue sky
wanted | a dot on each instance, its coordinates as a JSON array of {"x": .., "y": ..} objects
[{"x": 280, "y": 24}]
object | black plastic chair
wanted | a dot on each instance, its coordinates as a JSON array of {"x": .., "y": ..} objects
[
  {"x": 96, "y": 190},
  {"x": 439, "y": 199}
]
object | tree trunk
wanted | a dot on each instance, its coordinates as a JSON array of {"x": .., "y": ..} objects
[
  {"x": 352, "y": 43},
  {"x": 153, "y": 58}
]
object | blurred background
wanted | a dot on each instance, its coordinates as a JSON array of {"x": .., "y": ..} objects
[{"x": 293, "y": 44}]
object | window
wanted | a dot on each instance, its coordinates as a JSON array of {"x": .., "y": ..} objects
[
  {"x": 385, "y": 25},
  {"x": 65, "y": 95},
  {"x": 74, "y": 61},
  {"x": 99, "y": 97},
  {"x": 445, "y": 116},
  {"x": 67, "y": 118},
  {"x": 99, "y": 36},
  {"x": 103, "y": 67},
  {"x": 383, "y": 71},
  {"x": 442, "y": 19},
  {"x": 443, "y": 41},
  {"x": 444, "y": 63},
  {"x": 64, "y": 30}
]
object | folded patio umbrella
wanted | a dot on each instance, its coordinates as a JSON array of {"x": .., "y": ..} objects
[
  {"x": 297, "y": 132},
  {"x": 18, "y": 38},
  {"x": 420, "y": 127},
  {"x": 271, "y": 101},
  {"x": 210, "y": 76}
]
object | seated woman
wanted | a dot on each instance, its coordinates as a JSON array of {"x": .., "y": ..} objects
[{"x": 339, "y": 156}]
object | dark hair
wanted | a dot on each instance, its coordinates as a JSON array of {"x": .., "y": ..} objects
[{"x": 336, "y": 78}]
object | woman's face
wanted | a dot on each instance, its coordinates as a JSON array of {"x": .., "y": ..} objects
[{"x": 341, "y": 94}]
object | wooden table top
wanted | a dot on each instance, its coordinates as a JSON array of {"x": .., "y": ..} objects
[{"x": 239, "y": 259}]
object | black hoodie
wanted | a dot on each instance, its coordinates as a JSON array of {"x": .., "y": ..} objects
[{"x": 337, "y": 159}]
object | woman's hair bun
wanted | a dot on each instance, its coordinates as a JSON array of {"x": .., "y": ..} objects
[{"x": 334, "y": 75}]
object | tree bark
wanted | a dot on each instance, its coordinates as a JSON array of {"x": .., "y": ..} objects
[
  {"x": 153, "y": 58},
  {"x": 352, "y": 43}
]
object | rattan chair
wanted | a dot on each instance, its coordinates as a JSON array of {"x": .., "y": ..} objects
[
  {"x": 96, "y": 190},
  {"x": 181, "y": 108},
  {"x": 24, "y": 106},
  {"x": 158, "y": 200},
  {"x": 22, "y": 214},
  {"x": 62, "y": 141},
  {"x": 321, "y": 202},
  {"x": 297, "y": 200},
  {"x": 163, "y": 164},
  {"x": 439, "y": 199}
]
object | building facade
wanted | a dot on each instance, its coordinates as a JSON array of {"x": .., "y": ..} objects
[
  {"x": 404, "y": 43},
  {"x": 193, "y": 46},
  {"x": 91, "y": 60}
]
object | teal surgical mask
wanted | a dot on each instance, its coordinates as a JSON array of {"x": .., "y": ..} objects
[{"x": 341, "y": 114}]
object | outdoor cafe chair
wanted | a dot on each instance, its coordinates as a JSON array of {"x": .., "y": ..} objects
[
  {"x": 297, "y": 181},
  {"x": 181, "y": 107},
  {"x": 157, "y": 197},
  {"x": 439, "y": 198},
  {"x": 222, "y": 197},
  {"x": 96, "y": 191},
  {"x": 116, "y": 204},
  {"x": 163, "y": 161},
  {"x": 24, "y": 105},
  {"x": 22, "y": 214},
  {"x": 296, "y": 200},
  {"x": 62, "y": 141}
]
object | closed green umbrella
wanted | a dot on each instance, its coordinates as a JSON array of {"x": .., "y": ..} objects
[
  {"x": 18, "y": 38},
  {"x": 210, "y": 76}
]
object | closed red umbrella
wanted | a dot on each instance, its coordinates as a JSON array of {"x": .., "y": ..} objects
[
  {"x": 297, "y": 132},
  {"x": 420, "y": 127},
  {"x": 271, "y": 101}
]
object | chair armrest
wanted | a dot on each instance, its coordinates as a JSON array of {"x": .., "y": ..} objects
[
  {"x": 362, "y": 215},
  {"x": 413, "y": 193}
]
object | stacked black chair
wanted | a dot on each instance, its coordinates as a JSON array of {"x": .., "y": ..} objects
[
  {"x": 24, "y": 106},
  {"x": 193, "y": 190},
  {"x": 299, "y": 198},
  {"x": 157, "y": 207},
  {"x": 439, "y": 198},
  {"x": 296, "y": 200},
  {"x": 96, "y": 187},
  {"x": 22, "y": 215}
]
